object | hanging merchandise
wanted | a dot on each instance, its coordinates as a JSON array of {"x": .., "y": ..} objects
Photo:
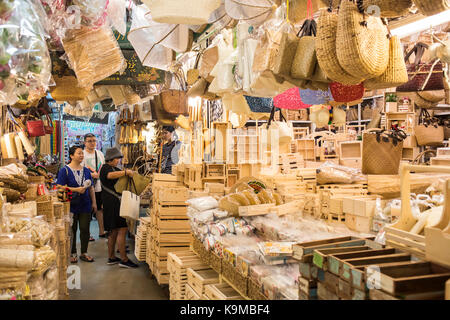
[
  {"x": 388, "y": 8},
  {"x": 305, "y": 60},
  {"x": 208, "y": 60},
  {"x": 320, "y": 115},
  {"x": 93, "y": 54},
  {"x": 223, "y": 70},
  {"x": 161, "y": 115},
  {"x": 240, "y": 106},
  {"x": 298, "y": 9},
  {"x": 254, "y": 12},
  {"x": 178, "y": 12},
  {"x": 117, "y": 15},
  {"x": 25, "y": 67},
  {"x": 382, "y": 151},
  {"x": 326, "y": 50},
  {"x": 361, "y": 43},
  {"x": 345, "y": 94},
  {"x": 290, "y": 99},
  {"x": 246, "y": 47},
  {"x": 280, "y": 130},
  {"x": 175, "y": 101},
  {"x": 395, "y": 73},
  {"x": 312, "y": 97},
  {"x": 141, "y": 36},
  {"x": 434, "y": 96},
  {"x": 422, "y": 76},
  {"x": 259, "y": 105},
  {"x": 339, "y": 117},
  {"x": 93, "y": 12},
  {"x": 432, "y": 7},
  {"x": 428, "y": 132}
]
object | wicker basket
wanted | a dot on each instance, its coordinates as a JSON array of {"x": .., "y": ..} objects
[
  {"x": 215, "y": 262},
  {"x": 361, "y": 43},
  {"x": 395, "y": 73},
  {"x": 255, "y": 291},
  {"x": 326, "y": 50},
  {"x": 389, "y": 8},
  {"x": 53, "y": 168},
  {"x": 239, "y": 281},
  {"x": 432, "y": 7},
  {"x": 36, "y": 179},
  {"x": 31, "y": 193},
  {"x": 45, "y": 208}
]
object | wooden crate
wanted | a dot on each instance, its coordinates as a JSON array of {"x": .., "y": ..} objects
[
  {"x": 173, "y": 194},
  {"x": 320, "y": 256},
  {"x": 307, "y": 289},
  {"x": 349, "y": 150},
  {"x": 306, "y": 147},
  {"x": 358, "y": 223},
  {"x": 200, "y": 278},
  {"x": 165, "y": 211},
  {"x": 324, "y": 293},
  {"x": 439, "y": 161},
  {"x": 413, "y": 278},
  {"x": 221, "y": 291},
  {"x": 410, "y": 153},
  {"x": 191, "y": 294},
  {"x": 172, "y": 225}
]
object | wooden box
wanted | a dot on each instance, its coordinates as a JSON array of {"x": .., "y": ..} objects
[
  {"x": 410, "y": 153},
  {"x": 350, "y": 150},
  {"x": 324, "y": 294},
  {"x": 173, "y": 194},
  {"x": 200, "y": 278},
  {"x": 443, "y": 153},
  {"x": 414, "y": 277},
  {"x": 358, "y": 223},
  {"x": 440, "y": 161},
  {"x": 306, "y": 147},
  {"x": 221, "y": 292},
  {"x": 191, "y": 294}
]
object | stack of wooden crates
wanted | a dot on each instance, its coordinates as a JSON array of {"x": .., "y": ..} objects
[
  {"x": 169, "y": 227},
  {"x": 140, "y": 242}
]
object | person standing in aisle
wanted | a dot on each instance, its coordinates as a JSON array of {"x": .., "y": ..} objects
[
  {"x": 94, "y": 160},
  {"x": 115, "y": 225},
  {"x": 170, "y": 150},
  {"x": 78, "y": 180}
]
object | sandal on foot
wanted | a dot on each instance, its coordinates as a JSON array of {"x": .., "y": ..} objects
[
  {"x": 73, "y": 258},
  {"x": 86, "y": 258}
]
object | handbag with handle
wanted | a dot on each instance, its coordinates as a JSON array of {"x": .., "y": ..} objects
[
  {"x": 382, "y": 151},
  {"x": 285, "y": 131},
  {"x": 130, "y": 205},
  {"x": 422, "y": 76},
  {"x": 35, "y": 126},
  {"x": 175, "y": 101},
  {"x": 428, "y": 132}
]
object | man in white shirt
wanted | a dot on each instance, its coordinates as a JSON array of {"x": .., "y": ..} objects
[{"x": 93, "y": 160}]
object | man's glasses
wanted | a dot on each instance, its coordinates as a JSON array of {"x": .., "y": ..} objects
[{"x": 91, "y": 141}]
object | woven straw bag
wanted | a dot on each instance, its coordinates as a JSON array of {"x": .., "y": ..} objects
[
  {"x": 326, "y": 50},
  {"x": 267, "y": 51},
  {"x": 428, "y": 132},
  {"x": 433, "y": 96},
  {"x": 380, "y": 154},
  {"x": 305, "y": 60},
  {"x": 195, "y": 12},
  {"x": 389, "y": 8},
  {"x": 432, "y": 7},
  {"x": 286, "y": 54},
  {"x": 361, "y": 44},
  {"x": 208, "y": 60},
  {"x": 395, "y": 73},
  {"x": 345, "y": 94},
  {"x": 67, "y": 89}
]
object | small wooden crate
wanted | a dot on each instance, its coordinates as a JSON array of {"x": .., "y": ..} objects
[
  {"x": 324, "y": 293},
  {"x": 191, "y": 294},
  {"x": 173, "y": 194},
  {"x": 349, "y": 150},
  {"x": 200, "y": 278},
  {"x": 221, "y": 292}
]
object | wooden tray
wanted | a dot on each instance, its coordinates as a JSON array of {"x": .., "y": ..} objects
[
  {"x": 221, "y": 292},
  {"x": 198, "y": 279}
]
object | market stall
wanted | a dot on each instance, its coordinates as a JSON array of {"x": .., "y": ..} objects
[{"x": 280, "y": 148}]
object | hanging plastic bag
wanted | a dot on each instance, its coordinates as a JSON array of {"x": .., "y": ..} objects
[
  {"x": 117, "y": 14},
  {"x": 143, "y": 41}
]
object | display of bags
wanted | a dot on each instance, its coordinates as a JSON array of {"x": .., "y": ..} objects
[
  {"x": 208, "y": 60},
  {"x": 361, "y": 43},
  {"x": 260, "y": 105},
  {"x": 288, "y": 47},
  {"x": 432, "y": 7},
  {"x": 428, "y": 132},
  {"x": 196, "y": 12},
  {"x": 313, "y": 97},
  {"x": 254, "y": 12},
  {"x": 137, "y": 184},
  {"x": 34, "y": 124},
  {"x": 382, "y": 151},
  {"x": 290, "y": 99},
  {"x": 395, "y": 73},
  {"x": 174, "y": 101},
  {"x": 326, "y": 50},
  {"x": 279, "y": 129},
  {"x": 422, "y": 76}
]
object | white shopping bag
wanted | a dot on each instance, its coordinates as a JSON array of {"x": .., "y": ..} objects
[{"x": 130, "y": 205}]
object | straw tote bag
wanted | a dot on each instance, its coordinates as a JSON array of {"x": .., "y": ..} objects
[
  {"x": 361, "y": 43},
  {"x": 389, "y": 8},
  {"x": 432, "y": 7},
  {"x": 382, "y": 151},
  {"x": 326, "y": 50},
  {"x": 194, "y": 12},
  {"x": 395, "y": 73},
  {"x": 305, "y": 60},
  {"x": 428, "y": 132},
  {"x": 422, "y": 76}
]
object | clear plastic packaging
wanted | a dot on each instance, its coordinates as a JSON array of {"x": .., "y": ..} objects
[
  {"x": 143, "y": 40},
  {"x": 44, "y": 257},
  {"x": 203, "y": 203},
  {"x": 332, "y": 173},
  {"x": 93, "y": 12},
  {"x": 25, "y": 66},
  {"x": 41, "y": 232},
  {"x": 255, "y": 12}
]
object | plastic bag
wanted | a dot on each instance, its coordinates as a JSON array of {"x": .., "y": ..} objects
[
  {"x": 93, "y": 12},
  {"x": 117, "y": 14},
  {"x": 143, "y": 41},
  {"x": 332, "y": 173},
  {"x": 255, "y": 12},
  {"x": 203, "y": 203},
  {"x": 25, "y": 67}
]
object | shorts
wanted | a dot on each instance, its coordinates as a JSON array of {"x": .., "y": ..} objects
[{"x": 98, "y": 199}]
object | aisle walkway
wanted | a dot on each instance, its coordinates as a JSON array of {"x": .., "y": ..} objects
[{"x": 100, "y": 281}]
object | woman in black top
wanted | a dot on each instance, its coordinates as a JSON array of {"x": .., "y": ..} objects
[{"x": 115, "y": 225}]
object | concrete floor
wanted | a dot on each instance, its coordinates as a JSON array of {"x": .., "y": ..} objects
[{"x": 100, "y": 281}]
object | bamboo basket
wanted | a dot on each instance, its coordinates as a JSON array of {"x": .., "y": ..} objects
[
  {"x": 389, "y": 8},
  {"x": 432, "y": 7}
]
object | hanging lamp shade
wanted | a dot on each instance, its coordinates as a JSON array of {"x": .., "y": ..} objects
[
  {"x": 290, "y": 99},
  {"x": 312, "y": 97}
]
